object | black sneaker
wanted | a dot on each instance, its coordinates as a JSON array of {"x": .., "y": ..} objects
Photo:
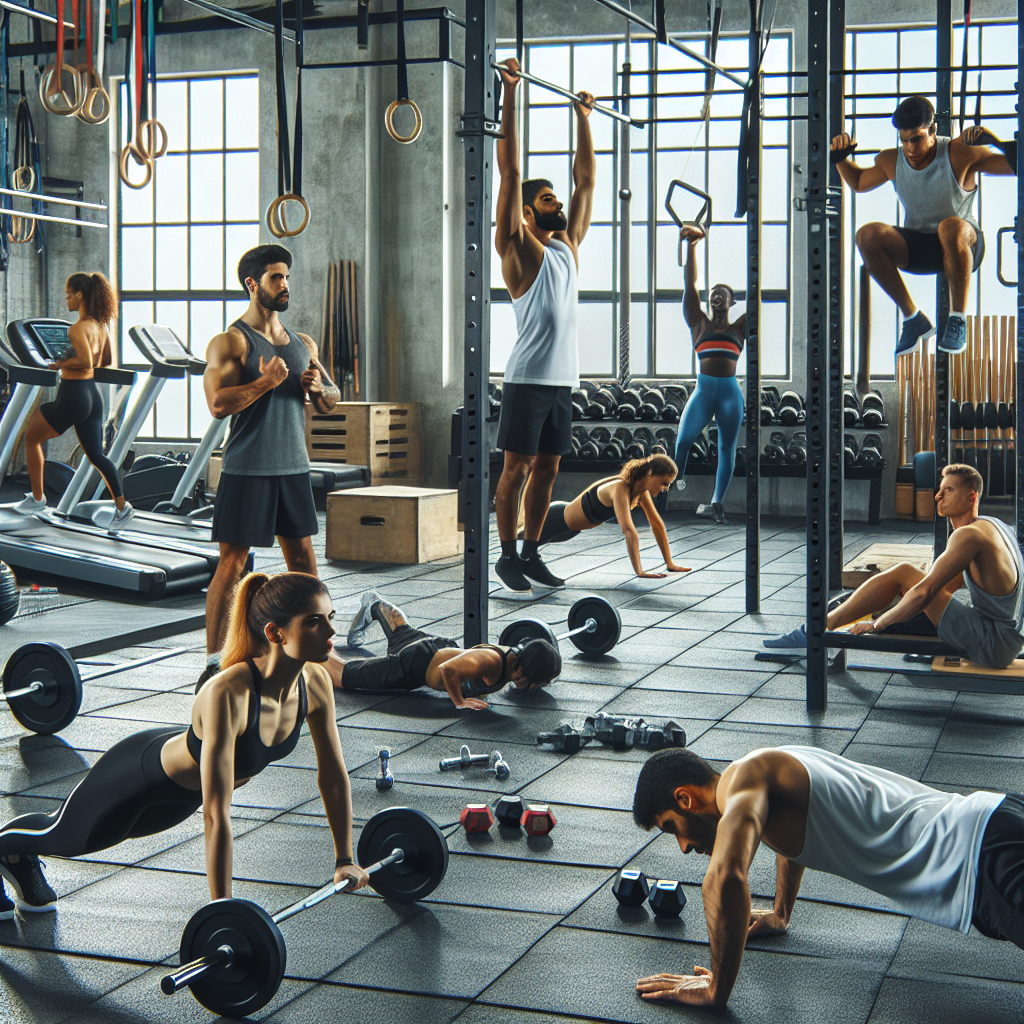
[
  {"x": 6, "y": 905},
  {"x": 538, "y": 572},
  {"x": 508, "y": 570},
  {"x": 207, "y": 673},
  {"x": 713, "y": 510},
  {"x": 26, "y": 879}
]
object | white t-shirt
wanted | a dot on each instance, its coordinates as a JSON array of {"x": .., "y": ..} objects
[{"x": 546, "y": 349}]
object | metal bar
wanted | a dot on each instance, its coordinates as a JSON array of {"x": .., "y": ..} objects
[
  {"x": 701, "y": 59},
  {"x": 53, "y": 220},
  {"x": 239, "y": 18},
  {"x": 9, "y": 5},
  {"x": 474, "y": 491},
  {"x": 1019, "y": 362},
  {"x": 943, "y": 122},
  {"x": 37, "y": 198},
  {"x": 11, "y": 423},
  {"x": 222, "y": 956},
  {"x": 23, "y": 691},
  {"x": 818, "y": 17},
  {"x": 126, "y": 666},
  {"x": 534, "y": 80},
  {"x": 200, "y": 458},
  {"x": 625, "y": 238},
  {"x": 334, "y": 65}
]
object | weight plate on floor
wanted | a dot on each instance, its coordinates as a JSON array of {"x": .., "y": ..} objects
[
  {"x": 521, "y": 630},
  {"x": 53, "y": 707},
  {"x": 426, "y": 853},
  {"x": 605, "y": 633},
  {"x": 257, "y": 969}
]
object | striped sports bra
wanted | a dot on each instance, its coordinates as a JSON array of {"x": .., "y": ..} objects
[{"x": 719, "y": 343}]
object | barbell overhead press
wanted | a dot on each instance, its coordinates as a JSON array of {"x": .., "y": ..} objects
[
  {"x": 233, "y": 952},
  {"x": 594, "y": 628},
  {"x": 42, "y": 684}
]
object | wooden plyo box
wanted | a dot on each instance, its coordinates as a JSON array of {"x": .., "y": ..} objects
[
  {"x": 386, "y": 436},
  {"x": 880, "y": 557},
  {"x": 391, "y": 523}
]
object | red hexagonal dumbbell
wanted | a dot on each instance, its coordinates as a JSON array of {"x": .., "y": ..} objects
[
  {"x": 537, "y": 820},
  {"x": 476, "y": 818}
]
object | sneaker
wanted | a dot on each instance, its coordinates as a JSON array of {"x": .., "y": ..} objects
[
  {"x": 954, "y": 337},
  {"x": 795, "y": 641},
  {"x": 121, "y": 519},
  {"x": 713, "y": 511},
  {"x": 26, "y": 879},
  {"x": 30, "y": 506},
  {"x": 915, "y": 329},
  {"x": 508, "y": 570},
  {"x": 680, "y": 484},
  {"x": 6, "y": 905},
  {"x": 538, "y": 572},
  {"x": 207, "y": 673},
  {"x": 361, "y": 620}
]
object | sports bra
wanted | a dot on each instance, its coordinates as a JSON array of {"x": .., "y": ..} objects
[
  {"x": 592, "y": 507},
  {"x": 476, "y": 687},
  {"x": 251, "y": 755},
  {"x": 719, "y": 343}
]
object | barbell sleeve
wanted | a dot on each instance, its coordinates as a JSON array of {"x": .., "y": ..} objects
[
  {"x": 23, "y": 692},
  {"x": 588, "y": 627},
  {"x": 185, "y": 975},
  {"x": 527, "y": 77}
]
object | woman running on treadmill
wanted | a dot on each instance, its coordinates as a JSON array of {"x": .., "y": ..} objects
[
  {"x": 615, "y": 497},
  {"x": 79, "y": 403},
  {"x": 244, "y": 718},
  {"x": 718, "y": 345}
]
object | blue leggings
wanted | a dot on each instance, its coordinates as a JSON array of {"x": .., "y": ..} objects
[{"x": 721, "y": 398}]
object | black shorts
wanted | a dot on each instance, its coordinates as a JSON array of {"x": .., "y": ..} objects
[
  {"x": 250, "y": 511},
  {"x": 535, "y": 418},
  {"x": 926, "y": 252},
  {"x": 76, "y": 402},
  {"x": 404, "y": 667},
  {"x": 999, "y": 890}
]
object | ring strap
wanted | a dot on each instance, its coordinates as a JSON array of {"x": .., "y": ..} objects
[
  {"x": 284, "y": 167},
  {"x": 297, "y": 144},
  {"x": 403, "y": 75}
]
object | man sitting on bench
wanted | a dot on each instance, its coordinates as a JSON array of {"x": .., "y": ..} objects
[
  {"x": 417, "y": 659},
  {"x": 982, "y": 555}
]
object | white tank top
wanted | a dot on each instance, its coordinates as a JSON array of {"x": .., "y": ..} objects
[
  {"x": 932, "y": 194},
  {"x": 914, "y": 844},
  {"x": 546, "y": 349}
]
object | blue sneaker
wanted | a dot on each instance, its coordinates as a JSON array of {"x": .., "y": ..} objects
[
  {"x": 795, "y": 641},
  {"x": 362, "y": 619},
  {"x": 954, "y": 337},
  {"x": 917, "y": 328}
]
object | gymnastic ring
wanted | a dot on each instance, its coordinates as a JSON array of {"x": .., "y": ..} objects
[
  {"x": 15, "y": 235},
  {"x": 389, "y": 117},
  {"x": 96, "y": 93},
  {"x": 72, "y": 105},
  {"x": 145, "y": 137},
  {"x": 276, "y": 222},
  {"x": 23, "y": 178},
  {"x": 123, "y": 168}
]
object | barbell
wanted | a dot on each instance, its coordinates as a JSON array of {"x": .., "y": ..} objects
[
  {"x": 233, "y": 951},
  {"x": 594, "y": 628},
  {"x": 42, "y": 684}
]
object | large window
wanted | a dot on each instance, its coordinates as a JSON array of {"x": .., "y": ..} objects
[
  {"x": 681, "y": 145},
  {"x": 871, "y": 97},
  {"x": 181, "y": 236}
]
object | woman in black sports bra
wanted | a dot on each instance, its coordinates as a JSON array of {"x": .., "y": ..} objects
[
  {"x": 243, "y": 719},
  {"x": 615, "y": 497}
]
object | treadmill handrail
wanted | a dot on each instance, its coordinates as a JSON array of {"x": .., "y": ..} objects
[
  {"x": 22, "y": 373},
  {"x": 113, "y": 375}
]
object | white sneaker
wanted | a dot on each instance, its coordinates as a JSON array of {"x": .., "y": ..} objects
[
  {"x": 30, "y": 506},
  {"x": 121, "y": 519},
  {"x": 361, "y": 620},
  {"x": 680, "y": 484}
]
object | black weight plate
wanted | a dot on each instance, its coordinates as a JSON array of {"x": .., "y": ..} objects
[
  {"x": 426, "y": 853},
  {"x": 258, "y": 969},
  {"x": 54, "y": 706},
  {"x": 521, "y": 630},
  {"x": 606, "y": 633}
]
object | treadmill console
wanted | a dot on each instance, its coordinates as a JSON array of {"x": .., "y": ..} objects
[
  {"x": 39, "y": 341},
  {"x": 161, "y": 346}
]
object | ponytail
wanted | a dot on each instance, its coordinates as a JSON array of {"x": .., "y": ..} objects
[
  {"x": 651, "y": 465},
  {"x": 98, "y": 295},
  {"x": 259, "y": 600}
]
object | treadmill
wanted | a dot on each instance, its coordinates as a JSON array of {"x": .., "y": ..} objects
[
  {"x": 42, "y": 543},
  {"x": 169, "y": 359}
]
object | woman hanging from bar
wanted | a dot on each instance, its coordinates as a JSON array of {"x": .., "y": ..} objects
[
  {"x": 718, "y": 345},
  {"x": 79, "y": 403}
]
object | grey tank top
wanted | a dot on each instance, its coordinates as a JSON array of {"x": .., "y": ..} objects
[
  {"x": 933, "y": 194},
  {"x": 268, "y": 438},
  {"x": 1009, "y": 609}
]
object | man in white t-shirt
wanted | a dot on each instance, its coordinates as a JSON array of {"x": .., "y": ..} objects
[{"x": 538, "y": 245}]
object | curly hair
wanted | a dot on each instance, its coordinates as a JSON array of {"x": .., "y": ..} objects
[
  {"x": 98, "y": 295},
  {"x": 651, "y": 465}
]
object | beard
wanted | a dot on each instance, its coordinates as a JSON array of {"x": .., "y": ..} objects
[
  {"x": 551, "y": 221},
  {"x": 701, "y": 829},
  {"x": 276, "y": 304}
]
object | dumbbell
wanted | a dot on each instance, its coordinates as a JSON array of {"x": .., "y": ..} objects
[
  {"x": 495, "y": 763},
  {"x": 791, "y": 409},
  {"x": 583, "y": 444},
  {"x": 769, "y": 405},
  {"x": 476, "y": 818},
  {"x": 872, "y": 411},
  {"x": 851, "y": 409},
  {"x": 537, "y": 820},
  {"x": 631, "y": 888},
  {"x": 233, "y": 951},
  {"x": 675, "y": 398},
  {"x": 698, "y": 449},
  {"x": 712, "y": 453},
  {"x": 629, "y": 404},
  {"x": 796, "y": 450},
  {"x": 565, "y": 739},
  {"x": 653, "y": 404},
  {"x": 615, "y": 447},
  {"x": 871, "y": 452},
  {"x": 658, "y": 737},
  {"x": 580, "y": 401},
  {"x": 850, "y": 450},
  {"x": 509, "y": 809},
  {"x": 599, "y": 437},
  {"x": 615, "y": 731},
  {"x": 775, "y": 449},
  {"x": 385, "y": 780},
  {"x": 645, "y": 438},
  {"x": 634, "y": 448},
  {"x": 667, "y": 898},
  {"x": 666, "y": 437},
  {"x": 604, "y": 402},
  {"x": 594, "y": 628}
]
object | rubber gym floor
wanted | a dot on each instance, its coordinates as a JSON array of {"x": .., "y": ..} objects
[{"x": 520, "y": 930}]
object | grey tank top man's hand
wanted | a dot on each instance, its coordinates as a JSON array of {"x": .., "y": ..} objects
[{"x": 274, "y": 372}]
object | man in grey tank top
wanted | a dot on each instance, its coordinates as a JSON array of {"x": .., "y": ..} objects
[
  {"x": 936, "y": 181},
  {"x": 982, "y": 556},
  {"x": 259, "y": 373}
]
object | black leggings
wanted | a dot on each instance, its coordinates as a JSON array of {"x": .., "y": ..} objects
[
  {"x": 554, "y": 530},
  {"x": 79, "y": 404},
  {"x": 126, "y": 794},
  {"x": 404, "y": 667}
]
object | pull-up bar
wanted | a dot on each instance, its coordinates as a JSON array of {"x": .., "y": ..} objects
[
  {"x": 663, "y": 37},
  {"x": 9, "y": 5},
  {"x": 237, "y": 17},
  {"x": 533, "y": 80}
]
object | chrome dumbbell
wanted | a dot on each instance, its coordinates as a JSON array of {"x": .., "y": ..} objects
[{"x": 385, "y": 780}]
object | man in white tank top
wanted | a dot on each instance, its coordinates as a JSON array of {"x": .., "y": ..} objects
[
  {"x": 539, "y": 246},
  {"x": 945, "y": 858},
  {"x": 982, "y": 556},
  {"x": 936, "y": 181}
]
